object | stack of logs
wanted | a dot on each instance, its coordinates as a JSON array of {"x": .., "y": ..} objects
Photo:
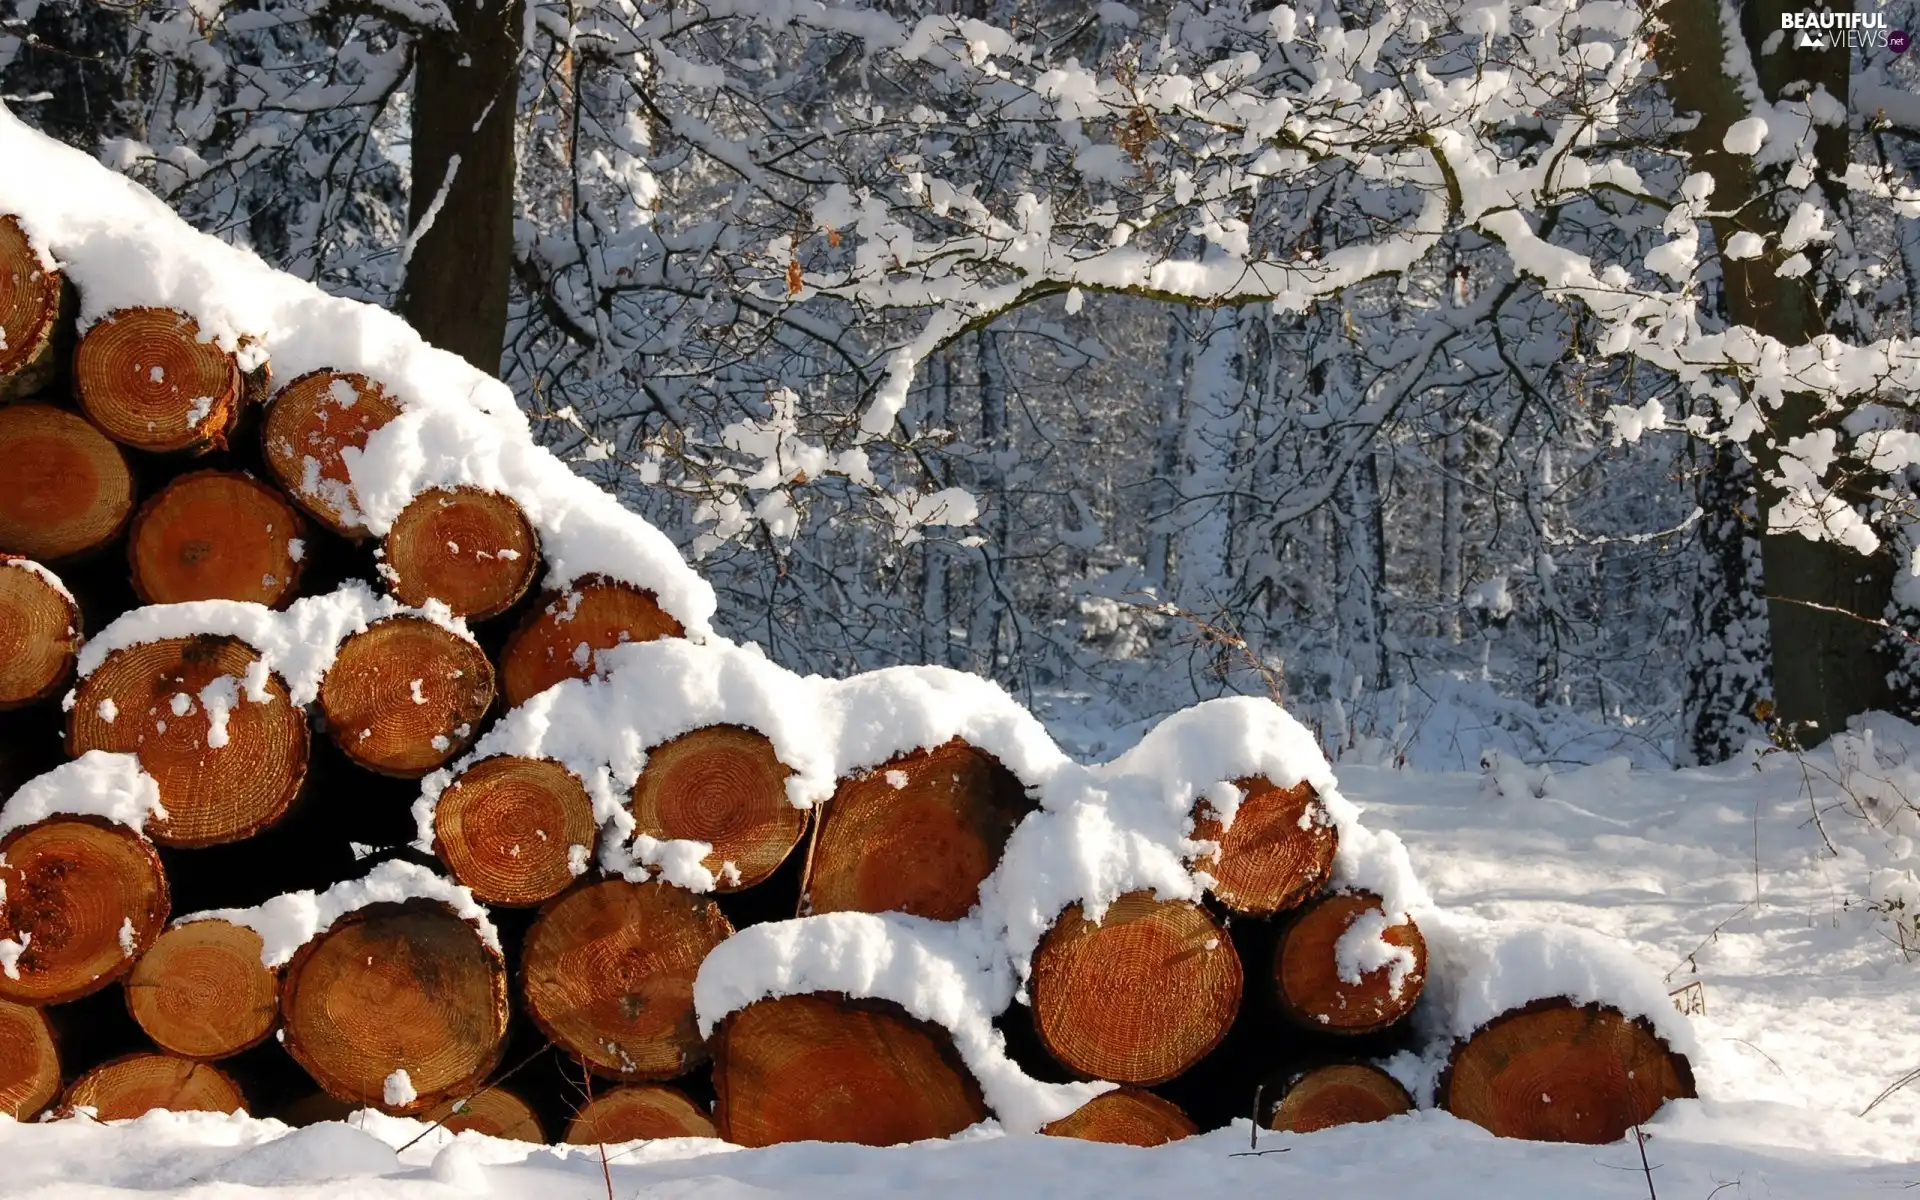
[{"x": 143, "y": 466}]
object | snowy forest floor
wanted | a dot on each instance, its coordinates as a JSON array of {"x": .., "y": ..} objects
[{"x": 1721, "y": 875}]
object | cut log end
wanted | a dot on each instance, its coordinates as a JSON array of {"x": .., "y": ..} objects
[
  {"x": 81, "y": 898},
  {"x": 405, "y": 695},
  {"x": 640, "y": 1113},
  {"x": 142, "y": 1083},
  {"x": 202, "y": 991},
  {"x": 1125, "y": 1117},
  {"x": 29, "y": 1062},
  {"x": 1556, "y": 1072},
  {"x": 472, "y": 550},
  {"x": 1139, "y": 997},
  {"x": 608, "y": 971},
  {"x": 216, "y": 535},
  {"x": 561, "y": 638},
  {"x": 915, "y": 835},
  {"x": 513, "y": 829},
  {"x": 218, "y": 733},
  {"x": 725, "y": 786},
  {"x": 29, "y": 314},
  {"x": 148, "y": 380},
  {"x": 1277, "y": 853},
  {"x": 39, "y": 634},
  {"x": 1338, "y": 1094},
  {"x": 309, "y": 428},
  {"x": 494, "y": 1112},
  {"x": 408, "y": 987},
  {"x": 825, "y": 1068},
  {"x": 1342, "y": 969},
  {"x": 66, "y": 489}
]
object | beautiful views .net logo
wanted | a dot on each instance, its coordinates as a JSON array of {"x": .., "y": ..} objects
[{"x": 1843, "y": 30}]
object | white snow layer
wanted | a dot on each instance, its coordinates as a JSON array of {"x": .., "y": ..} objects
[{"x": 97, "y": 784}]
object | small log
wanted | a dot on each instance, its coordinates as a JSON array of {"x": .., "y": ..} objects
[
  {"x": 142, "y": 1083},
  {"x": 1338, "y": 1094},
  {"x": 1552, "y": 1071},
  {"x": 405, "y": 695},
  {"x": 511, "y": 828},
  {"x": 39, "y": 634},
  {"x": 1125, "y": 1117},
  {"x": 314, "y": 1108},
  {"x": 66, "y": 489},
  {"x": 829, "y": 1069},
  {"x": 81, "y": 898},
  {"x": 725, "y": 786},
  {"x": 1277, "y": 853},
  {"x": 607, "y": 973},
  {"x": 202, "y": 991},
  {"x": 147, "y": 378},
  {"x": 216, "y": 535},
  {"x": 493, "y": 1111},
  {"x": 30, "y": 297},
  {"x": 1139, "y": 997},
  {"x": 1307, "y": 967},
  {"x": 472, "y": 550},
  {"x": 562, "y": 636},
  {"x": 228, "y": 765},
  {"x": 638, "y": 1113},
  {"x": 396, "y": 987},
  {"x": 309, "y": 428},
  {"x": 916, "y": 835},
  {"x": 29, "y": 1061}
]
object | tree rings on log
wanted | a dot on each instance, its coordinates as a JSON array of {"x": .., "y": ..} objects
[
  {"x": 142, "y": 1083},
  {"x": 405, "y": 695},
  {"x": 29, "y": 315},
  {"x": 607, "y": 973},
  {"x": 1338, "y": 1094},
  {"x": 725, "y": 786},
  {"x": 1556, "y": 1072},
  {"x": 1139, "y": 997},
  {"x": 219, "y": 734},
  {"x": 638, "y": 1113},
  {"x": 915, "y": 835},
  {"x": 1341, "y": 968},
  {"x": 560, "y": 638},
  {"x": 202, "y": 992},
  {"x": 309, "y": 428},
  {"x": 493, "y": 1111},
  {"x": 39, "y": 634},
  {"x": 513, "y": 830},
  {"x": 149, "y": 380},
  {"x": 1125, "y": 1117},
  {"x": 66, "y": 489},
  {"x": 472, "y": 550},
  {"x": 1277, "y": 853},
  {"x": 825, "y": 1068},
  {"x": 216, "y": 535},
  {"x": 81, "y": 898},
  {"x": 29, "y": 1061},
  {"x": 396, "y": 987}
]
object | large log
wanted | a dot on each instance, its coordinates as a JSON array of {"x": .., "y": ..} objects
[
  {"x": 1277, "y": 853},
  {"x": 493, "y": 1111},
  {"x": 228, "y": 765},
  {"x": 1321, "y": 992},
  {"x": 472, "y": 550},
  {"x": 81, "y": 898},
  {"x": 66, "y": 489},
  {"x": 30, "y": 301},
  {"x": 829, "y": 1069},
  {"x": 310, "y": 427},
  {"x": 405, "y": 695},
  {"x": 1125, "y": 1117},
  {"x": 514, "y": 829},
  {"x": 142, "y": 1083},
  {"x": 1553, "y": 1071},
  {"x": 1338, "y": 1094},
  {"x": 216, "y": 535},
  {"x": 916, "y": 835},
  {"x": 39, "y": 633},
  {"x": 638, "y": 1113},
  {"x": 29, "y": 1061},
  {"x": 1140, "y": 996},
  {"x": 607, "y": 973},
  {"x": 147, "y": 378},
  {"x": 203, "y": 992},
  {"x": 725, "y": 786},
  {"x": 563, "y": 634}
]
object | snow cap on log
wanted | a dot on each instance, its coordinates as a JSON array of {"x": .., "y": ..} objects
[{"x": 97, "y": 784}]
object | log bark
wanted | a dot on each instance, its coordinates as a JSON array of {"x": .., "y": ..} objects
[
  {"x": 725, "y": 786},
  {"x": 1338, "y": 1094},
  {"x": 915, "y": 835},
  {"x": 1125, "y": 1117},
  {"x": 406, "y": 695},
  {"x": 826, "y": 1068},
  {"x": 1307, "y": 967},
  {"x": 145, "y": 377},
  {"x": 228, "y": 765},
  {"x": 511, "y": 828},
  {"x": 202, "y": 992},
  {"x": 142, "y": 1083},
  {"x": 216, "y": 535},
  {"x": 607, "y": 973},
  {"x": 493, "y": 1111},
  {"x": 309, "y": 428},
  {"x": 1139, "y": 997},
  {"x": 396, "y": 987},
  {"x": 1552, "y": 1071},
  {"x": 638, "y": 1113},
  {"x": 39, "y": 634},
  {"x": 30, "y": 300},
  {"x": 473, "y": 551},
  {"x": 29, "y": 1061},
  {"x": 562, "y": 637},
  {"x": 66, "y": 489},
  {"x": 81, "y": 898},
  {"x": 1277, "y": 853}
]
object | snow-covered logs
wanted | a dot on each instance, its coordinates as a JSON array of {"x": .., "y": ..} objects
[
  {"x": 515, "y": 830},
  {"x": 472, "y": 550},
  {"x": 310, "y": 427},
  {"x": 216, "y": 535},
  {"x": 66, "y": 489},
  {"x": 494, "y": 1111},
  {"x": 81, "y": 898},
  {"x": 149, "y": 380},
  {"x": 563, "y": 635},
  {"x": 29, "y": 1061},
  {"x": 642, "y": 1112},
  {"x": 1277, "y": 853},
  {"x": 406, "y": 694},
  {"x": 30, "y": 302},
  {"x": 1344, "y": 967},
  {"x": 1338, "y": 1094},
  {"x": 1127, "y": 1117},
  {"x": 202, "y": 991},
  {"x": 39, "y": 633},
  {"x": 726, "y": 786},
  {"x": 137, "y": 1084}
]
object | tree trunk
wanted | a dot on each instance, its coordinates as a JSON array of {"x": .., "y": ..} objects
[
  {"x": 725, "y": 786},
  {"x": 1727, "y": 660},
  {"x": 141, "y": 1083},
  {"x": 1330, "y": 982},
  {"x": 405, "y": 695},
  {"x": 562, "y": 636},
  {"x": 1277, "y": 853},
  {"x": 988, "y": 619},
  {"x": 1125, "y": 1117},
  {"x": 202, "y": 991},
  {"x": 145, "y": 377},
  {"x": 514, "y": 829},
  {"x": 39, "y": 633},
  {"x": 639, "y": 1113},
  {"x": 29, "y": 1061},
  {"x": 81, "y": 898},
  {"x": 1209, "y": 443},
  {"x": 216, "y": 535},
  {"x": 1340, "y": 1094},
  {"x": 473, "y": 551},
  {"x": 309, "y": 428},
  {"x": 66, "y": 490}
]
